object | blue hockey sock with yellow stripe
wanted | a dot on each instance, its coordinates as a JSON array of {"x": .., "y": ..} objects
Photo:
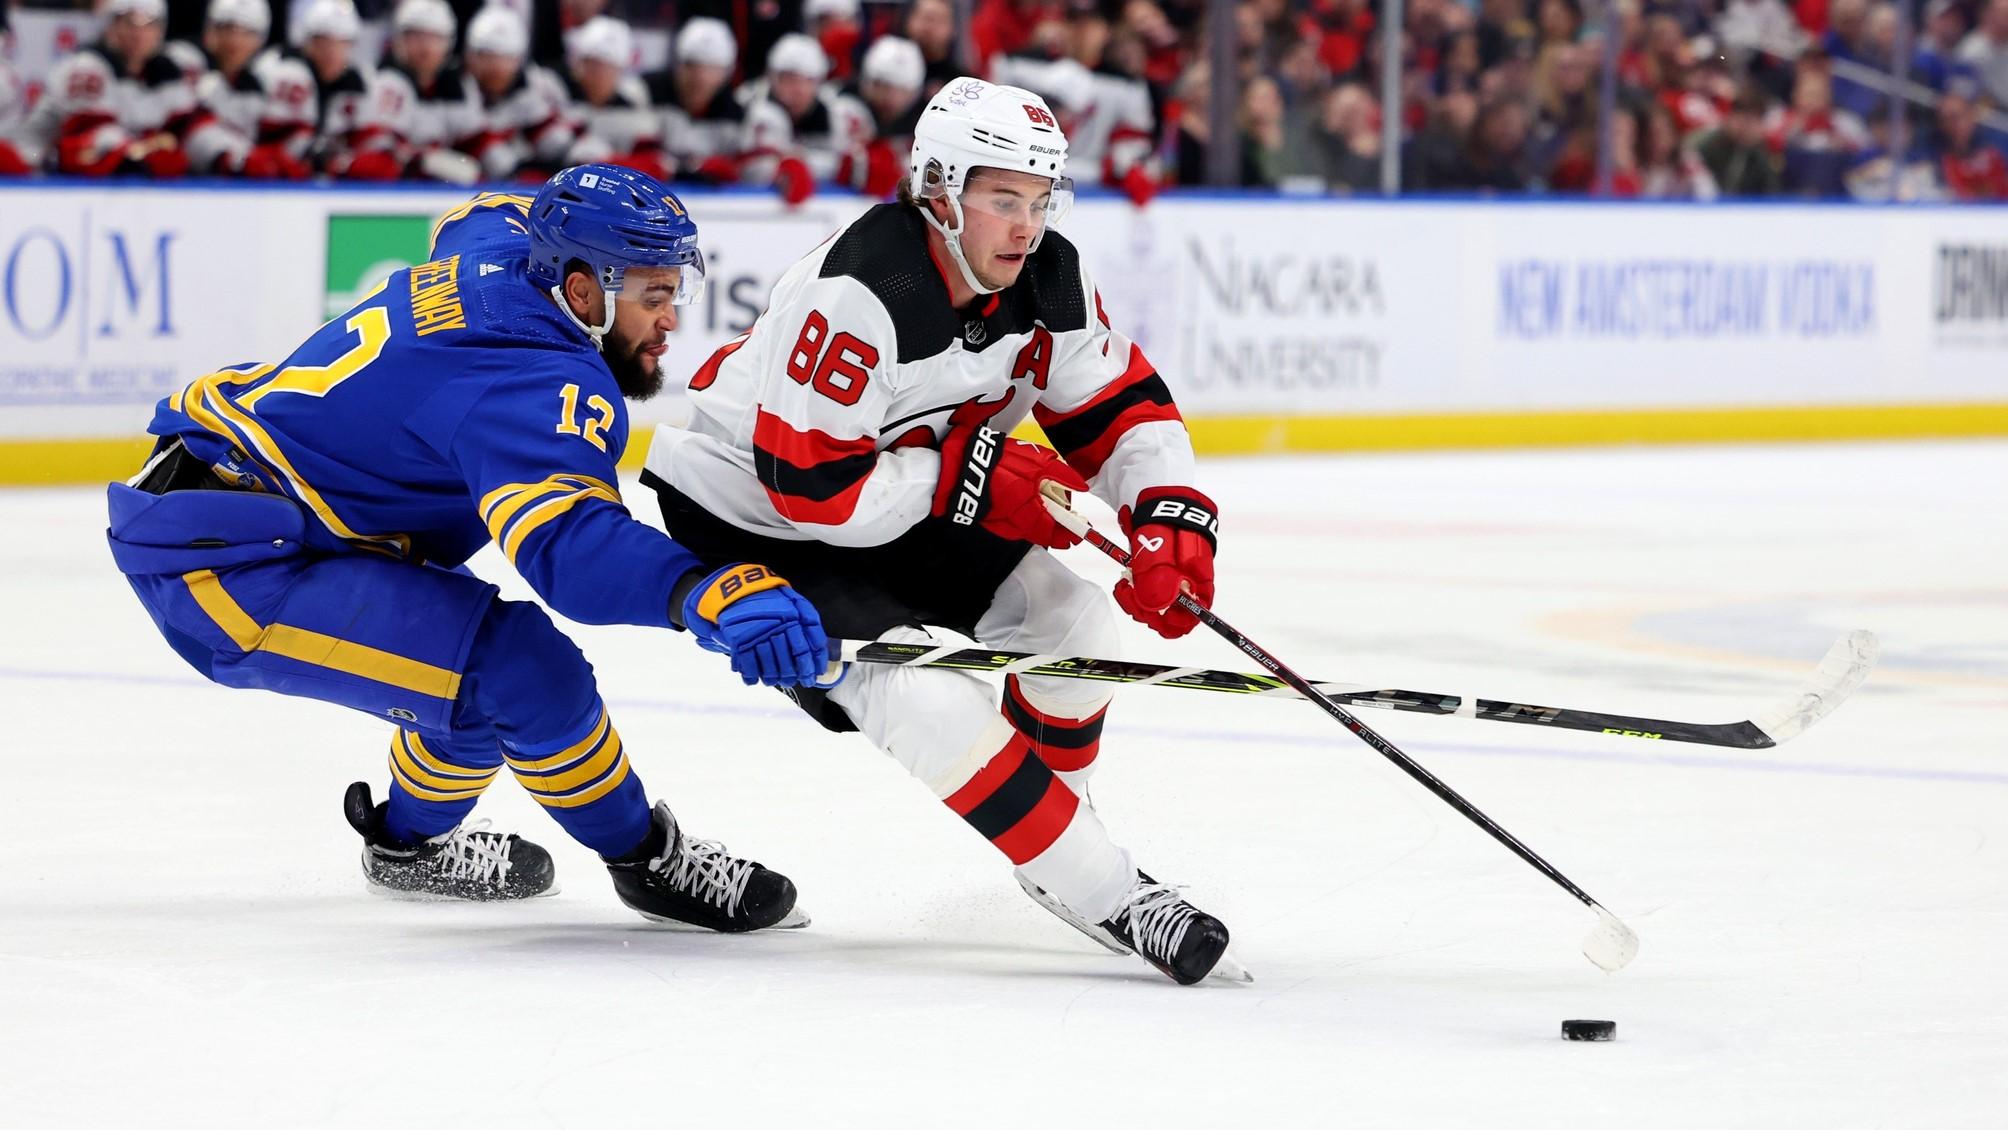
[
  {"x": 434, "y": 782},
  {"x": 585, "y": 782}
]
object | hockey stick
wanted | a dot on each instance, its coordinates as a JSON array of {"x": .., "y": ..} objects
[
  {"x": 1846, "y": 664},
  {"x": 1611, "y": 944}
]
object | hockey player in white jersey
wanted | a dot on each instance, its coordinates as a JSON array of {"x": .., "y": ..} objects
[
  {"x": 889, "y": 85},
  {"x": 427, "y": 101},
  {"x": 13, "y": 113},
  {"x": 352, "y": 123},
  {"x": 118, "y": 105},
  {"x": 610, "y": 105},
  {"x": 702, "y": 123},
  {"x": 260, "y": 107},
  {"x": 856, "y": 438},
  {"x": 800, "y": 133},
  {"x": 526, "y": 122}
]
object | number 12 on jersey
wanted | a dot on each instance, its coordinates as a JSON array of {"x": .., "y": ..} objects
[
  {"x": 596, "y": 425},
  {"x": 846, "y": 362}
]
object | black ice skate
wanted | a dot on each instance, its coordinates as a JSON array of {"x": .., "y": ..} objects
[
  {"x": 694, "y": 882},
  {"x": 465, "y": 863},
  {"x": 1185, "y": 943}
]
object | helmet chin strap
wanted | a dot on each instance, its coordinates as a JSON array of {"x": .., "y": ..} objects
[
  {"x": 953, "y": 238},
  {"x": 597, "y": 333}
]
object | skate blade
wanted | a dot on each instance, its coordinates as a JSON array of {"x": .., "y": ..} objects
[
  {"x": 395, "y": 895},
  {"x": 1230, "y": 970},
  {"x": 1058, "y": 910},
  {"x": 795, "y": 920}
]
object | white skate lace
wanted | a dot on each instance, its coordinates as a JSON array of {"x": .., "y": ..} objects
[
  {"x": 1158, "y": 917},
  {"x": 703, "y": 869},
  {"x": 468, "y": 852}
]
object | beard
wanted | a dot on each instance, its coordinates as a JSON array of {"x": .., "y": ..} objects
[{"x": 638, "y": 375}]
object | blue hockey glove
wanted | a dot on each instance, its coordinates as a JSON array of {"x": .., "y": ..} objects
[{"x": 772, "y": 632}]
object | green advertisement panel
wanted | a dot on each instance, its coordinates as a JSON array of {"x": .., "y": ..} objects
[{"x": 364, "y": 250}]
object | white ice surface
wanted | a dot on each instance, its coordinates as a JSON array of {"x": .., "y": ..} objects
[{"x": 185, "y": 939}]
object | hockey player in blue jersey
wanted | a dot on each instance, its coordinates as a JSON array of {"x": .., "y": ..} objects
[{"x": 301, "y": 524}]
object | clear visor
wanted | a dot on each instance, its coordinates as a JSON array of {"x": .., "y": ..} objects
[
  {"x": 683, "y": 285},
  {"x": 1014, "y": 202}
]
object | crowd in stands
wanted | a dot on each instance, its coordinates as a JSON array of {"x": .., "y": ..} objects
[{"x": 1743, "y": 98}]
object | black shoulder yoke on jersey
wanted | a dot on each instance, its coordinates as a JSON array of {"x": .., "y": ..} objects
[{"x": 886, "y": 250}]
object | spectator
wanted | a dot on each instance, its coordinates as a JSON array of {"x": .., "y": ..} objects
[
  {"x": 1747, "y": 27},
  {"x": 834, "y": 25},
  {"x": 1262, "y": 129},
  {"x": 1561, "y": 23},
  {"x": 1001, "y": 27},
  {"x": 1736, "y": 153},
  {"x": 1494, "y": 155},
  {"x": 1431, "y": 159},
  {"x": 1195, "y": 130},
  {"x": 1937, "y": 60},
  {"x": 702, "y": 122},
  {"x": 1880, "y": 171},
  {"x": 1344, "y": 151},
  {"x": 1462, "y": 64},
  {"x": 1819, "y": 141},
  {"x": 1164, "y": 54},
  {"x": 1985, "y": 51},
  {"x": 1667, "y": 170},
  {"x": 931, "y": 26},
  {"x": 1504, "y": 31},
  {"x": 609, "y": 104},
  {"x": 1858, "y": 33},
  {"x": 1968, "y": 168}
]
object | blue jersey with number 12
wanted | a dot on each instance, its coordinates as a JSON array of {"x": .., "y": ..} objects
[{"x": 452, "y": 405}]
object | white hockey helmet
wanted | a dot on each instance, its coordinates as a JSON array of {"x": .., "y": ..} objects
[
  {"x": 335, "y": 19},
  {"x": 813, "y": 10},
  {"x": 146, "y": 11},
  {"x": 971, "y": 124},
  {"x": 603, "y": 38},
  {"x": 498, "y": 31},
  {"x": 798, "y": 54},
  {"x": 896, "y": 62},
  {"x": 708, "y": 42},
  {"x": 251, "y": 15},
  {"x": 434, "y": 16}
]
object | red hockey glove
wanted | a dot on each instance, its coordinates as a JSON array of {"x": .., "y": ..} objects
[
  {"x": 272, "y": 162},
  {"x": 793, "y": 181},
  {"x": 374, "y": 164},
  {"x": 157, "y": 155},
  {"x": 719, "y": 169},
  {"x": 992, "y": 481},
  {"x": 1173, "y": 534},
  {"x": 11, "y": 164},
  {"x": 1138, "y": 185}
]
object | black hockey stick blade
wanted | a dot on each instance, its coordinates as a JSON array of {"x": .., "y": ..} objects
[{"x": 1846, "y": 664}]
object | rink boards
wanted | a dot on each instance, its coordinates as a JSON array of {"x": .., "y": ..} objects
[{"x": 1281, "y": 324}]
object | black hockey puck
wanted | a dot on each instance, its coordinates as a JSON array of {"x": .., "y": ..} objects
[{"x": 1596, "y": 1030}]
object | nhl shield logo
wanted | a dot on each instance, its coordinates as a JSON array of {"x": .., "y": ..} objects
[{"x": 974, "y": 331}]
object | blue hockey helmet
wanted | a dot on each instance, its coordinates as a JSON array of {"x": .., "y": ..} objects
[{"x": 612, "y": 218}]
